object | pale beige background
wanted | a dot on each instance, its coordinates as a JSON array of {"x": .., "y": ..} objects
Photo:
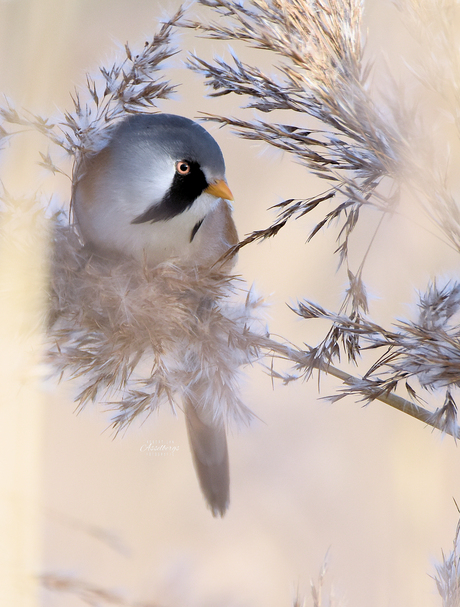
[{"x": 370, "y": 485}]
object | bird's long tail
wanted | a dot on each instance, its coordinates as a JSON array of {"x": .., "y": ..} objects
[{"x": 208, "y": 444}]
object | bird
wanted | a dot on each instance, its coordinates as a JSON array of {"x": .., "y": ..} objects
[{"x": 156, "y": 191}]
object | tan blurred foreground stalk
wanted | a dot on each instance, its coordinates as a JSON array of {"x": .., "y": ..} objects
[
  {"x": 35, "y": 50},
  {"x": 23, "y": 270}
]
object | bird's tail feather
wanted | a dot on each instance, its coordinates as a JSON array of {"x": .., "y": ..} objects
[{"x": 208, "y": 444}]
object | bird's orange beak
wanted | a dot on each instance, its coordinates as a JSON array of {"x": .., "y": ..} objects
[{"x": 219, "y": 189}]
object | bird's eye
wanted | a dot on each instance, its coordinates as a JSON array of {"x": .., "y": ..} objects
[{"x": 183, "y": 167}]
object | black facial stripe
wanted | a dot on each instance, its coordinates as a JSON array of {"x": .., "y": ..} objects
[
  {"x": 196, "y": 227},
  {"x": 183, "y": 192}
]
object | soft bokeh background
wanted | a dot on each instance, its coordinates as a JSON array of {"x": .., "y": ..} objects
[{"x": 371, "y": 486}]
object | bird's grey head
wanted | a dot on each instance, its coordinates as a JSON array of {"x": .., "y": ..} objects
[
  {"x": 148, "y": 191},
  {"x": 148, "y": 147},
  {"x": 178, "y": 136}
]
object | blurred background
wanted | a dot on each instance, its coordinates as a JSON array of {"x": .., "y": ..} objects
[{"x": 370, "y": 487}]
